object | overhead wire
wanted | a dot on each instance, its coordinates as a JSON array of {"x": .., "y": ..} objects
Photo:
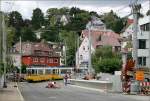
[
  {"x": 11, "y": 5},
  {"x": 62, "y": 2}
]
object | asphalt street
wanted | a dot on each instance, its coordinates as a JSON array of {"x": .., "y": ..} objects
[{"x": 38, "y": 92}]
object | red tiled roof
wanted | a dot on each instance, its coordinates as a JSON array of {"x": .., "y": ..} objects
[
  {"x": 130, "y": 21},
  {"x": 29, "y": 48},
  {"x": 107, "y": 37},
  {"x": 40, "y": 46}
]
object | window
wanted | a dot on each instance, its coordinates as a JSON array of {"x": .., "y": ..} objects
[
  {"x": 142, "y": 44},
  {"x": 145, "y": 27},
  {"x": 42, "y": 59},
  {"x": 142, "y": 61},
  {"x": 50, "y": 60},
  {"x": 56, "y": 61},
  {"x": 83, "y": 47},
  {"x": 99, "y": 38},
  {"x": 117, "y": 48},
  {"x": 38, "y": 52},
  {"x": 35, "y": 59},
  {"x": 81, "y": 57}
]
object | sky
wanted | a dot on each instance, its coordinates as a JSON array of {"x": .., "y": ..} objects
[{"x": 25, "y": 7}]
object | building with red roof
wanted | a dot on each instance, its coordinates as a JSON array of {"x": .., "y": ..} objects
[
  {"x": 36, "y": 54},
  {"x": 99, "y": 38}
]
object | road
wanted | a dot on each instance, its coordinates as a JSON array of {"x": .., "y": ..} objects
[{"x": 38, "y": 92}]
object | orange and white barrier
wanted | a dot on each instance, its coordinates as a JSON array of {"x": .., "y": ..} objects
[
  {"x": 143, "y": 84},
  {"x": 126, "y": 86},
  {"x": 145, "y": 87}
]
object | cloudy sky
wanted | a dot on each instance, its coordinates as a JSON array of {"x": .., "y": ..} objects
[{"x": 25, "y": 7}]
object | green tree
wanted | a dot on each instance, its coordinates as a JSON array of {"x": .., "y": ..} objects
[
  {"x": 50, "y": 34},
  {"x": 27, "y": 34},
  {"x": 113, "y": 22},
  {"x": 23, "y": 69},
  {"x": 11, "y": 31},
  {"x": 15, "y": 19},
  {"x": 105, "y": 60},
  {"x": 78, "y": 20},
  {"x": 69, "y": 37},
  {"x": 27, "y": 23},
  {"x": 37, "y": 18}
]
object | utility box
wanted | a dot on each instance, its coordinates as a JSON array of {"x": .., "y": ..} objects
[{"x": 135, "y": 87}]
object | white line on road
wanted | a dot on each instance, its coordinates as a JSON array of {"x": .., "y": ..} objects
[
  {"x": 22, "y": 99},
  {"x": 52, "y": 97},
  {"x": 94, "y": 89}
]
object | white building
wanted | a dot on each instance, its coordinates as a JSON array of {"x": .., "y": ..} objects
[
  {"x": 99, "y": 38},
  {"x": 144, "y": 42},
  {"x": 83, "y": 53},
  {"x": 64, "y": 19},
  {"x": 97, "y": 24}
]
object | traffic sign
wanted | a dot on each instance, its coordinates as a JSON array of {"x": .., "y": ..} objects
[{"x": 139, "y": 75}]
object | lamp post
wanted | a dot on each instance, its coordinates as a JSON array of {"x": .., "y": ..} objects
[
  {"x": 1, "y": 40},
  {"x": 20, "y": 58},
  {"x": 89, "y": 46},
  {"x": 4, "y": 48}
]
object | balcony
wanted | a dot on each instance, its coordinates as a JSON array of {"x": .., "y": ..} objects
[
  {"x": 143, "y": 35},
  {"x": 143, "y": 52}
]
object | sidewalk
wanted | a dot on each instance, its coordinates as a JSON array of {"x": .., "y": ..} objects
[
  {"x": 138, "y": 97},
  {"x": 10, "y": 93}
]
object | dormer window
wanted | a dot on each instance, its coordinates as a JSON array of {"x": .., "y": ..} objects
[{"x": 100, "y": 38}]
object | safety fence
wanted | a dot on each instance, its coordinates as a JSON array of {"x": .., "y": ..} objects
[{"x": 145, "y": 87}]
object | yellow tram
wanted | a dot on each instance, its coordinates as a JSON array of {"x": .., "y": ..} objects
[{"x": 35, "y": 74}]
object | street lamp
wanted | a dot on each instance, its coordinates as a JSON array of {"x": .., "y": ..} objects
[
  {"x": 90, "y": 70},
  {"x": 20, "y": 58},
  {"x": 4, "y": 48}
]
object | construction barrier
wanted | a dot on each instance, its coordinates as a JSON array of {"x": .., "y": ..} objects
[
  {"x": 145, "y": 87},
  {"x": 126, "y": 86}
]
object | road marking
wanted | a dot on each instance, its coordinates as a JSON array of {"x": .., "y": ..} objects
[
  {"x": 52, "y": 97},
  {"x": 22, "y": 99},
  {"x": 94, "y": 89}
]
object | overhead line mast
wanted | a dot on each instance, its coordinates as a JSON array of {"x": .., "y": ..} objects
[{"x": 135, "y": 11}]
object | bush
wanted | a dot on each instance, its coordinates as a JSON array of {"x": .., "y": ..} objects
[
  {"x": 105, "y": 60},
  {"x": 108, "y": 65}
]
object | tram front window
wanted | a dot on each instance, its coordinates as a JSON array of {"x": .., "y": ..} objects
[
  {"x": 48, "y": 71},
  {"x": 40, "y": 71},
  {"x": 33, "y": 72}
]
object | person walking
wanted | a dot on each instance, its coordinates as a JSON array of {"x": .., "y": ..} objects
[{"x": 66, "y": 79}]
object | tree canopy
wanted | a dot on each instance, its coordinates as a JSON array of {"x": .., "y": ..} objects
[
  {"x": 105, "y": 60},
  {"x": 113, "y": 22},
  {"x": 15, "y": 19},
  {"x": 27, "y": 34},
  {"x": 37, "y": 19}
]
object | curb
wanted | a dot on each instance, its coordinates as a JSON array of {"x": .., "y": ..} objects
[{"x": 21, "y": 97}]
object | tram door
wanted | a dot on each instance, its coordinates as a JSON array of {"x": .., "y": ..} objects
[
  {"x": 56, "y": 71},
  {"x": 40, "y": 71}
]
